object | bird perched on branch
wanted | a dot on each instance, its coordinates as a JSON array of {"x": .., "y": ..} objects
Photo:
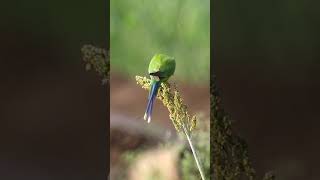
[{"x": 161, "y": 68}]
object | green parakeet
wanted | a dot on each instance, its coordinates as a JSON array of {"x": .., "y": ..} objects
[{"x": 161, "y": 67}]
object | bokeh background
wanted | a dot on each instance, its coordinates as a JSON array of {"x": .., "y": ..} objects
[
  {"x": 53, "y": 114},
  {"x": 266, "y": 60},
  {"x": 138, "y": 30}
]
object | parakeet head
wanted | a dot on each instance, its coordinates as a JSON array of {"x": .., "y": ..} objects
[{"x": 161, "y": 67}]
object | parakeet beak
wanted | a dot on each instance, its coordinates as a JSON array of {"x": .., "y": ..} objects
[
  {"x": 156, "y": 78},
  {"x": 155, "y": 75}
]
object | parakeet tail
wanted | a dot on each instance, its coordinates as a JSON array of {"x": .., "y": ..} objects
[{"x": 152, "y": 96}]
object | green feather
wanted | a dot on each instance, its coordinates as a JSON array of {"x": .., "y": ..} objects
[{"x": 163, "y": 64}]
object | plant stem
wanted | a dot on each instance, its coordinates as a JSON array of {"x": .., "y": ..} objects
[{"x": 194, "y": 153}]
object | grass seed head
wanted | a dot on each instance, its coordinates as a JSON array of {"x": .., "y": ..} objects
[
  {"x": 97, "y": 59},
  {"x": 171, "y": 98}
]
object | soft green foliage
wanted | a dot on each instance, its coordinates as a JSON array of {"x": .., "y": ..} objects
[
  {"x": 97, "y": 59},
  {"x": 156, "y": 175},
  {"x": 229, "y": 153},
  {"x": 141, "y": 28},
  {"x": 189, "y": 170},
  {"x": 127, "y": 159},
  {"x": 130, "y": 156},
  {"x": 178, "y": 112}
]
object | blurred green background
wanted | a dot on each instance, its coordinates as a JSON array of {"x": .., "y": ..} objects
[{"x": 141, "y": 28}]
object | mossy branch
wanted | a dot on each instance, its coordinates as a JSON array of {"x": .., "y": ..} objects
[{"x": 178, "y": 113}]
